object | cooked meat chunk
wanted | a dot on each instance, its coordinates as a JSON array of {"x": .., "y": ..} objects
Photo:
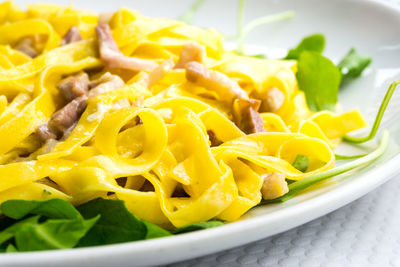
[
  {"x": 273, "y": 100},
  {"x": 65, "y": 117},
  {"x": 72, "y": 36},
  {"x": 226, "y": 88},
  {"x": 45, "y": 133},
  {"x": 274, "y": 185},
  {"x": 26, "y": 45},
  {"x": 246, "y": 116},
  {"x": 213, "y": 138},
  {"x": 113, "y": 57},
  {"x": 244, "y": 109},
  {"x": 107, "y": 82},
  {"x": 190, "y": 52},
  {"x": 159, "y": 72},
  {"x": 74, "y": 86}
]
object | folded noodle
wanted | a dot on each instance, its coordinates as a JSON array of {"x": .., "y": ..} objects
[{"x": 168, "y": 147}]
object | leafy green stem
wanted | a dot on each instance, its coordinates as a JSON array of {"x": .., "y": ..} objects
[
  {"x": 378, "y": 119},
  {"x": 243, "y": 31},
  {"x": 296, "y": 187},
  {"x": 345, "y": 157},
  {"x": 240, "y": 25},
  {"x": 189, "y": 15}
]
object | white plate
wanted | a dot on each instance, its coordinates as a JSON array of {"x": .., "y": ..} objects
[{"x": 373, "y": 27}]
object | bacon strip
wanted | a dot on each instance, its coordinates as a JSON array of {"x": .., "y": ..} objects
[
  {"x": 274, "y": 185},
  {"x": 75, "y": 89},
  {"x": 227, "y": 89},
  {"x": 65, "y": 117},
  {"x": 26, "y": 46},
  {"x": 72, "y": 36},
  {"x": 244, "y": 109},
  {"x": 113, "y": 57},
  {"x": 74, "y": 86},
  {"x": 190, "y": 52},
  {"x": 246, "y": 116},
  {"x": 274, "y": 99},
  {"x": 159, "y": 72}
]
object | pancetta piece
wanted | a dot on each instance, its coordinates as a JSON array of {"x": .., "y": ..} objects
[
  {"x": 113, "y": 57},
  {"x": 72, "y": 36},
  {"x": 227, "y": 89},
  {"x": 191, "y": 52},
  {"x": 274, "y": 185},
  {"x": 74, "y": 86},
  {"x": 246, "y": 116},
  {"x": 26, "y": 45}
]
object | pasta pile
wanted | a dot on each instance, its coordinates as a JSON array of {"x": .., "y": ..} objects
[{"x": 178, "y": 139}]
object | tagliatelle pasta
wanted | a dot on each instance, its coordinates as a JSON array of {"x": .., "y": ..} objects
[{"x": 84, "y": 119}]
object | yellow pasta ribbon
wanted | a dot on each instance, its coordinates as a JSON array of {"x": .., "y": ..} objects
[{"x": 171, "y": 151}]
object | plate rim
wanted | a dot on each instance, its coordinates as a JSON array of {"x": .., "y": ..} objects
[{"x": 310, "y": 209}]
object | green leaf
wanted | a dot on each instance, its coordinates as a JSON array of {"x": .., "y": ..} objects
[
  {"x": 315, "y": 42},
  {"x": 153, "y": 231},
  {"x": 116, "y": 224},
  {"x": 9, "y": 232},
  {"x": 5, "y": 222},
  {"x": 352, "y": 65},
  {"x": 319, "y": 78},
  {"x": 53, "y": 234},
  {"x": 198, "y": 226},
  {"x": 301, "y": 163},
  {"x": 52, "y": 208},
  {"x": 10, "y": 248}
]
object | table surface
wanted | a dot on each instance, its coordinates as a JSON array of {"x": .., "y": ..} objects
[{"x": 363, "y": 233}]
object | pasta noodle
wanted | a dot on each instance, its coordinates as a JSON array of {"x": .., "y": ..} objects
[{"x": 171, "y": 145}]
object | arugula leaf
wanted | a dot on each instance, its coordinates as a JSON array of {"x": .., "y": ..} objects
[
  {"x": 10, "y": 248},
  {"x": 319, "y": 78},
  {"x": 301, "y": 163},
  {"x": 198, "y": 226},
  {"x": 5, "y": 222},
  {"x": 10, "y": 231},
  {"x": 53, "y": 234},
  {"x": 352, "y": 65},
  {"x": 153, "y": 231},
  {"x": 62, "y": 229},
  {"x": 53, "y": 208},
  {"x": 97, "y": 222},
  {"x": 116, "y": 224},
  {"x": 315, "y": 42}
]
